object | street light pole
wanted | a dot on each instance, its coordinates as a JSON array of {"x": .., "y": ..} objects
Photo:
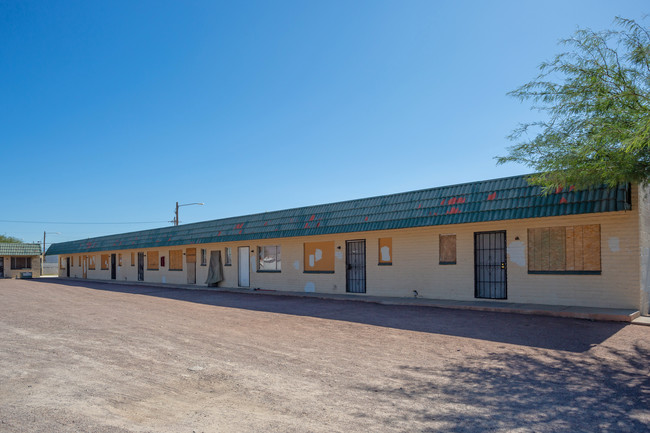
[{"x": 179, "y": 205}]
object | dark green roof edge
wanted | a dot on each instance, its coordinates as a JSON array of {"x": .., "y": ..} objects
[{"x": 491, "y": 200}]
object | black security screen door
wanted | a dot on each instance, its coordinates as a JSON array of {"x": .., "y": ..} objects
[
  {"x": 490, "y": 278},
  {"x": 113, "y": 268},
  {"x": 356, "y": 266},
  {"x": 140, "y": 266}
]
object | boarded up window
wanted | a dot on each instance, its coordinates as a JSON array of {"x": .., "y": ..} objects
[
  {"x": 152, "y": 261},
  {"x": 132, "y": 259},
  {"x": 564, "y": 249},
  {"x": 319, "y": 257},
  {"x": 447, "y": 249},
  {"x": 79, "y": 260},
  {"x": 204, "y": 254},
  {"x": 104, "y": 261},
  {"x": 91, "y": 262},
  {"x": 228, "y": 257},
  {"x": 191, "y": 255},
  {"x": 385, "y": 251},
  {"x": 176, "y": 260},
  {"x": 119, "y": 260}
]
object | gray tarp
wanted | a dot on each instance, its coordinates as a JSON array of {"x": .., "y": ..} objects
[{"x": 215, "y": 271}]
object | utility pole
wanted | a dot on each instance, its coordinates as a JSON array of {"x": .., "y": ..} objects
[
  {"x": 43, "y": 254},
  {"x": 179, "y": 205}
]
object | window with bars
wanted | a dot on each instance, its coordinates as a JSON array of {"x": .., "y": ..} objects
[{"x": 21, "y": 263}]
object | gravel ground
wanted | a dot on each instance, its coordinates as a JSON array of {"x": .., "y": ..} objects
[{"x": 95, "y": 357}]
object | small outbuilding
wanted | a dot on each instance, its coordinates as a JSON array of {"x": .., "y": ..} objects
[
  {"x": 494, "y": 240},
  {"x": 20, "y": 260}
]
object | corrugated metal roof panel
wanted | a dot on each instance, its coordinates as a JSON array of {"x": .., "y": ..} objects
[{"x": 491, "y": 200}]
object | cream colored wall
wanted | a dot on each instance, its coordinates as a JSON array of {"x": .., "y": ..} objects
[
  {"x": 415, "y": 264},
  {"x": 644, "y": 237},
  {"x": 15, "y": 273}
]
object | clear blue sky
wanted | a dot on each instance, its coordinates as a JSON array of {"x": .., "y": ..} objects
[{"x": 112, "y": 111}]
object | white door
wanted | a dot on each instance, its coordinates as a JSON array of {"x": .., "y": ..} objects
[{"x": 244, "y": 267}]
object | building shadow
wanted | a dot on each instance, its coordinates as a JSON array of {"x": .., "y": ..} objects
[
  {"x": 543, "y": 391},
  {"x": 564, "y": 334}
]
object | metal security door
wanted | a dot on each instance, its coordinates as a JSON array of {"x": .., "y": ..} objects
[
  {"x": 490, "y": 276},
  {"x": 355, "y": 258},
  {"x": 244, "y": 267},
  {"x": 140, "y": 266},
  {"x": 113, "y": 267},
  {"x": 67, "y": 267},
  {"x": 190, "y": 259}
]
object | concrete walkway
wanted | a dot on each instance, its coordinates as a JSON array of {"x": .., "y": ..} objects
[{"x": 589, "y": 313}]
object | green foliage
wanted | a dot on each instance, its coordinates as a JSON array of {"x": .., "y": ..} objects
[
  {"x": 10, "y": 239},
  {"x": 596, "y": 97}
]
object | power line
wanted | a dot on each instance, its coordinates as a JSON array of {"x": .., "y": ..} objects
[{"x": 97, "y": 223}]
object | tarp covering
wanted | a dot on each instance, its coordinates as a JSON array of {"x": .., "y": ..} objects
[{"x": 215, "y": 270}]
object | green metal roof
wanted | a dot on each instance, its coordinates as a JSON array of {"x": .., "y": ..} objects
[
  {"x": 491, "y": 200},
  {"x": 11, "y": 249}
]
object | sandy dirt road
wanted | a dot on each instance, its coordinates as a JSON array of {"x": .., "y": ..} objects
[{"x": 96, "y": 357}]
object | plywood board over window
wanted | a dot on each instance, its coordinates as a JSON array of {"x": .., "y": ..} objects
[
  {"x": 385, "y": 251},
  {"x": 119, "y": 259},
  {"x": 176, "y": 260},
  {"x": 132, "y": 259},
  {"x": 91, "y": 262},
  {"x": 570, "y": 249},
  {"x": 319, "y": 257},
  {"x": 104, "y": 261},
  {"x": 447, "y": 249},
  {"x": 152, "y": 261}
]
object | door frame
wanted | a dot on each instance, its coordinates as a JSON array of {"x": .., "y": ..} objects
[
  {"x": 504, "y": 264},
  {"x": 347, "y": 266},
  {"x": 239, "y": 266}
]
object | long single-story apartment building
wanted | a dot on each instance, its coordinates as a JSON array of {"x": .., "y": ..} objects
[
  {"x": 20, "y": 260},
  {"x": 498, "y": 239}
]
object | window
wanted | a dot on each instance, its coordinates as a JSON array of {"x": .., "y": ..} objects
[
  {"x": 79, "y": 260},
  {"x": 61, "y": 262},
  {"x": 447, "y": 249},
  {"x": 204, "y": 254},
  {"x": 319, "y": 257},
  {"x": 104, "y": 262},
  {"x": 21, "y": 263},
  {"x": 152, "y": 261},
  {"x": 176, "y": 260},
  {"x": 91, "y": 262},
  {"x": 269, "y": 259},
  {"x": 385, "y": 251},
  {"x": 571, "y": 249},
  {"x": 132, "y": 259},
  {"x": 228, "y": 257}
]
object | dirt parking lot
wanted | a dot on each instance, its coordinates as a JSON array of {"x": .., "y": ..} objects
[{"x": 96, "y": 357}]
